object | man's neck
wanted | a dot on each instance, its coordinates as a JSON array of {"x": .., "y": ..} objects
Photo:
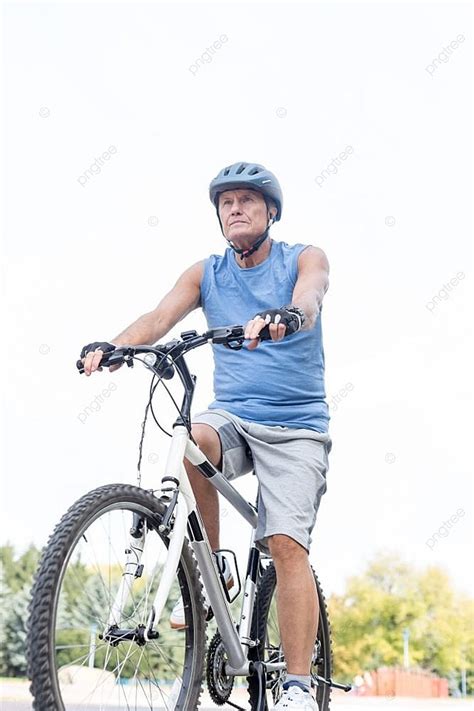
[{"x": 257, "y": 257}]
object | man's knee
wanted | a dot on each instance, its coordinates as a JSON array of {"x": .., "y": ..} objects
[
  {"x": 208, "y": 442},
  {"x": 284, "y": 548}
]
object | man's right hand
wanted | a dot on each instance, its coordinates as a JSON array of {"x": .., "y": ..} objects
[{"x": 91, "y": 355}]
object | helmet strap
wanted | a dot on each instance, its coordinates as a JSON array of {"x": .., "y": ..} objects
[{"x": 247, "y": 252}]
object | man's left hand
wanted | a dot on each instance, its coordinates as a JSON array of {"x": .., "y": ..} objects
[{"x": 257, "y": 324}]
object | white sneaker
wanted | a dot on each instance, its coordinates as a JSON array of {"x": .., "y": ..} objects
[
  {"x": 177, "y": 619},
  {"x": 296, "y": 698}
]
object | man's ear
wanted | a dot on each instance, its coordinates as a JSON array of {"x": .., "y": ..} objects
[{"x": 272, "y": 214}]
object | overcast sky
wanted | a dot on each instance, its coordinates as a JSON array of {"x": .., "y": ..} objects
[{"x": 85, "y": 253}]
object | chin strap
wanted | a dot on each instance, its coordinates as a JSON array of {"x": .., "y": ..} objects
[
  {"x": 259, "y": 241},
  {"x": 247, "y": 252}
]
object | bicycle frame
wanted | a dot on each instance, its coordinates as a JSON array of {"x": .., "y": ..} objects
[{"x": 187, "y": 518}]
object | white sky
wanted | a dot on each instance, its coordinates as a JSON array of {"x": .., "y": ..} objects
[{"x": 291, "y": 88}]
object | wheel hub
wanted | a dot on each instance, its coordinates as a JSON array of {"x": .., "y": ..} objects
[{"x": 114, "y": 635}]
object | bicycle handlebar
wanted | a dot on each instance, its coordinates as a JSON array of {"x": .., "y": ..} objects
[{"x": 168, "y": 353}]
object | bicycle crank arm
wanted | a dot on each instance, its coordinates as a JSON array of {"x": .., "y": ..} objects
[{"x": 333, "y": 684}]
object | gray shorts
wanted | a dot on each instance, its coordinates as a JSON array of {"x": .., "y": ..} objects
[{"x": 290, "y": 465}]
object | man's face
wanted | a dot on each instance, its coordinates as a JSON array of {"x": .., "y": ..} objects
[{"x": 243, "y": 214}]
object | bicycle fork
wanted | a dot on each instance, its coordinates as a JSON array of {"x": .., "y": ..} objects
[{"x": 133, "y": 569}]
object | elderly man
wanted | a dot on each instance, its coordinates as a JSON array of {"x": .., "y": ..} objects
[{"x": 269, "y": 412}]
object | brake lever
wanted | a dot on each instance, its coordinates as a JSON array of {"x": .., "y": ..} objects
[
  {"x": 227, "y": 333},
  {"x": 238, "y": 344}
]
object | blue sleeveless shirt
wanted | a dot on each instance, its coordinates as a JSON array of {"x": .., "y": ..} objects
[{"x": 278, "y": 383}]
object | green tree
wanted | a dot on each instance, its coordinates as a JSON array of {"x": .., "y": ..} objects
[
  {"x": 369, "y": 618},
  {"x": 16, "y": 575},
  {"x": 4, "y": 595},
  {"x": 14, "y": 613},
  {"x": 20, "y": 570}
]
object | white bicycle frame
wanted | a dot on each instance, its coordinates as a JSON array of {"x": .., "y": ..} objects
[{"x": 187, "y": 517}]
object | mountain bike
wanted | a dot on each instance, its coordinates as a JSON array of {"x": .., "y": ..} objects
[{"x": 99, "y": 635}]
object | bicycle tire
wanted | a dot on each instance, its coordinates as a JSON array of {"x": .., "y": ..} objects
[
  {"x": 260, "y": 622},
  {"x": 41, "y": 656}
]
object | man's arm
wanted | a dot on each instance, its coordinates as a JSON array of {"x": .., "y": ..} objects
[
  {"x": 312, "y": 283},
  {"x": 184, "y": 297}
]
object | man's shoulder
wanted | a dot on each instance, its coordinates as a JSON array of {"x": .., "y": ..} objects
[
  {"x": 298, "y": 245},
  {"x": 313, "y": 257},
  {"x": 216, "y": 260},
  {"x": 309, "y": 251},
  {"x": 294, "y": 246}
]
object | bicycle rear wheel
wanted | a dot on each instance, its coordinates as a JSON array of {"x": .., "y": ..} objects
[
  {"x": 74, "y": 662},
  {"x": 265, "y": 629}
]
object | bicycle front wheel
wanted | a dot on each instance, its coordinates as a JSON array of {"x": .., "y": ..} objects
[
  {"x": 77, "y": 659},
  {"x": 266, "y": 630}
]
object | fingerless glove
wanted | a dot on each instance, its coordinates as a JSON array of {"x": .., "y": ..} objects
[
  {"x": 103, "y": 345},
  {"x": 290, "y": 316}
]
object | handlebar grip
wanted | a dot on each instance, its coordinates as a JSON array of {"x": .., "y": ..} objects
[{"x": 106, "y": 360}]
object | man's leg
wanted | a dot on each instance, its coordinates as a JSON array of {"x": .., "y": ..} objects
[
  {"x": 206, "y": 495},
  {"x": 297, "y": 602}
]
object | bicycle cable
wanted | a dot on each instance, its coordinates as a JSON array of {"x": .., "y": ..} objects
[
  {"x": 149, "y": 407},
  {"x": 150, "y": 402},
  {"x": 160, "y": 380}
]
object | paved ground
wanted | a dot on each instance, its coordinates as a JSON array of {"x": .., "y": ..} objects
[
  {"x": 14, "y": 696},
  {"x": 381, "y": 705},
  {"x": 338, "y": 704}
]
